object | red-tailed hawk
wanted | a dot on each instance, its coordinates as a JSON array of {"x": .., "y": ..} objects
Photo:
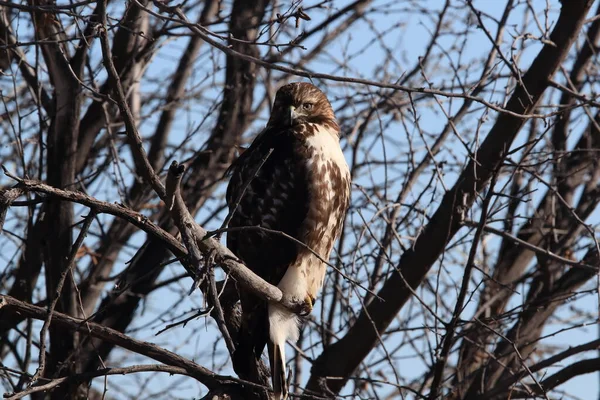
[{"x": 292, "y": 179}]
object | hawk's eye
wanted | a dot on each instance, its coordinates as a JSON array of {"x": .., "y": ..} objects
[{"x": 307, "y": 106}]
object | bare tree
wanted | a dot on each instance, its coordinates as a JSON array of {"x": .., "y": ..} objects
[{"x": 469, "y": 263}]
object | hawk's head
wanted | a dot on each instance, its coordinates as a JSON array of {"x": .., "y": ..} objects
[{"x": 299, "y": 103}]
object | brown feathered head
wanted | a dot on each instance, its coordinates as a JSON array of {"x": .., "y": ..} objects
[{"x": 299, "y": 103}]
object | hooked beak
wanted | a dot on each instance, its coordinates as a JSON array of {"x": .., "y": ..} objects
[{"x": 291, "y": 116}]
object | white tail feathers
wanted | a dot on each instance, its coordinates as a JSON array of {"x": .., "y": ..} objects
[
  {"x": 277, "y": 360},
  {"x": 283, "y": 325}
]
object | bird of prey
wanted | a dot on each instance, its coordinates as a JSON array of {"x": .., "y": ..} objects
[{"x": 292, "y": 185}]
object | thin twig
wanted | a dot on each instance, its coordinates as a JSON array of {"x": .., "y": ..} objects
[
  {"x": 236, "y": 204},
  {"x": 218, "y": 310},
  {"x": 68, "y": 267},
  {"x": 205, "y": 34},
  {"x": 530, "y": 246}
]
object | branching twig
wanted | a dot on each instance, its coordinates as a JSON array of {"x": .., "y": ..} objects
[
  {"x": 59, "y": 286},
  {"x": 530, "y": 246},
  {"x": 205, "y": 35},
  {"x": 7, "y": 197},
  {"x": 203, "y": 375},
  {"x": 170, "y": 369}
]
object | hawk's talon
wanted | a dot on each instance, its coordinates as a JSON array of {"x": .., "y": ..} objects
[{"x": 306, "y": 307}]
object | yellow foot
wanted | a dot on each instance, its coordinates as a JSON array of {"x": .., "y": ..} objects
[{"x": 307, "y": 307}]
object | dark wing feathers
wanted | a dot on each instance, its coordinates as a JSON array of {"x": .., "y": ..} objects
[{"x": 275, "y": 197}]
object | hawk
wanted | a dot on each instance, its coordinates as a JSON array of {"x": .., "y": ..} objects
[{"x": 292, "y": 182}]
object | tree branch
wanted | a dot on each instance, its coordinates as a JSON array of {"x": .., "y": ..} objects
[
  {"x": 203, "y": 375},
  {"x": 337, "y": 360}
]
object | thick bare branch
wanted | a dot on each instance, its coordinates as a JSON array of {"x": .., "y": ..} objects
[
  {"x": 208, "y": 378},
  {"x": 338, "y": 360}
]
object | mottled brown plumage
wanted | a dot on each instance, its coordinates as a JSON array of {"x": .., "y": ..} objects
[{"x": 292, "y": 179}]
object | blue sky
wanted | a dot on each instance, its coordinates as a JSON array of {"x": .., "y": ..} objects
[{"x": 406, "y": 35}]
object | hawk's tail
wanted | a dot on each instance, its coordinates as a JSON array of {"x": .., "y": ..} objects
[
  {"x": 277, "y": 361},
  {"x": 283, "y": 325},
  {"x": 251, "y": 340}
]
